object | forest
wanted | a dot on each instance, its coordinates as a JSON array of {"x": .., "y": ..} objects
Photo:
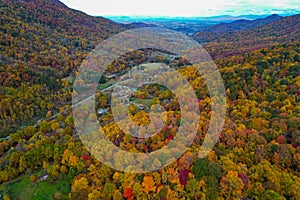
[{"x": 257, "y": 156}]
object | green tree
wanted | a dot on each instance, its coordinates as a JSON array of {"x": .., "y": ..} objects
[
  {"x": 108, "y": 191},
  {"x": 203, "y": 167}
]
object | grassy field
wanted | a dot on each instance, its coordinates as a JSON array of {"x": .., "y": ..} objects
[
  {"x": 23, "y": 189},
  {"x": 106, "y": 85},
  {"x": 146, "y": 102}
]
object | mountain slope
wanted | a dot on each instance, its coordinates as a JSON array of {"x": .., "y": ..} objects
[
  {"x": 32, "y": 27},
  {"x": 285, "y": 26},
  {"x": 59, "y": 18},
  {"x": 242, "y": 24},
  {"x": 41, "y": 42},
  {"x": 284, "y": 30}
]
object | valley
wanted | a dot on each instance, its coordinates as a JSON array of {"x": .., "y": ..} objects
[{"x": 43, "y": 43}]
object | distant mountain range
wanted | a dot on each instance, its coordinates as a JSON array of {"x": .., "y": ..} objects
[
  {"x": 225, "y": 42},
  {"x": 191, "y": 25},
  {"x": 241, "y": 24},
  {"x": 220, "y": 18},
  {"x": 271, "y": 26}
]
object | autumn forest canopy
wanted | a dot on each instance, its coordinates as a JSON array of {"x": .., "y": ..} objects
[{"x": 257, "y": 155}]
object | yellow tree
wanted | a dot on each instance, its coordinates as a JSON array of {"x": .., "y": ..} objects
[
  {"x": 148, "y": 184},
  {"x": 232, "y": 186},
  {"x": 80, "y": 189},
  {"x": 94, "y": 195}
]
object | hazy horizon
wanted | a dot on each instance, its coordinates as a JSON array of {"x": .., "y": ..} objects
[{"x": 191, "y": 8}]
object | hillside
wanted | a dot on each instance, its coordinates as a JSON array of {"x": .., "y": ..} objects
[
  {"x": 239, "y": 25},
  {"x": 55, "y": 20},
  {"x": 281, "y": 31},
  {"x": 257, "y": 155},
  {"x": 42, "y": 41}
]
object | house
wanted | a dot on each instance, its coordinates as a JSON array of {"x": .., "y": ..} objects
[
  {"x": 112, "y": 76},
  {"x": 44, "y": 177},
  {"x": 102, "y": 111}
]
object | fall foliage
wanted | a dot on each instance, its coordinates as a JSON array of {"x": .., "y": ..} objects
[{"x": 258, "y": 152}]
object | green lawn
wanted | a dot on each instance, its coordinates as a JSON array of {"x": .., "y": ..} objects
[
  {"x": 23, "y": 189},
  {"x": 105, "y": 85},
  {"x": 146, "y": 102}
]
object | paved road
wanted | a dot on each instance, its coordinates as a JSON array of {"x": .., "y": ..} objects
[
  {"x": 72, "y": 106},
  {"x": 81, "y": 102},
  {"x": 5, "y": 138},
  {"x": 90, "y": 97},
  {"x": 78, "y": 103}
]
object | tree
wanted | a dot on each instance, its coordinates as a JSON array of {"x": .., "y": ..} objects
[
  {"x": 193, "y": 189},
  {"x": 212, "y": 187},
  {"x": 203, "y": 167},
  {"x": 29, "y": 131},
  {"x": 148, "y": 184},
  {"x": 272, "y": 195},
  {"x": 108, "y": 191},
  {"x": 94, "y": 195},
  {"x": 163, "y": 191},
  {"x": 33, "y": 178},
  {"x": 79, "y": 184},
  {"x": 137, "y": 189},
  {"x": 6, "y": 197},
  {"x": 80, "y": 189},
  {"x": 172, "y": 195},
  {"x": 281, "y": 139},
  {"x": 117, "y": 195},
  {"x": 128, "y": 193},
  {"x": 183, "y": 176},
  {"x": 157, "y": 177},
  {"x": 232, "y": 186},
  {"x": 186, "y": 161}
]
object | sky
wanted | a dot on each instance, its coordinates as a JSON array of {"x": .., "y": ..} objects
[{"x": 188, "y": 8}]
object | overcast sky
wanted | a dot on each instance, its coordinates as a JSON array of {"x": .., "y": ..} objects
[{"x": 182, "y": 7}]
